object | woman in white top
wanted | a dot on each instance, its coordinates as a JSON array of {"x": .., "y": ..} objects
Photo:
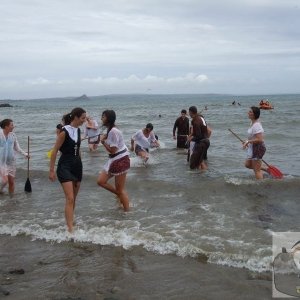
[
  {"x": 118, "y": 163},
  {"x": 142, "y": 140},
  {"x": 255, "y": 144},
  {"x": 8, "y": 147}
]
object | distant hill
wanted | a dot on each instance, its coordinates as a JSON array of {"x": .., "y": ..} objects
[
  {"x": 82, "y": 98},
  {"x": 5, "y": 105}
]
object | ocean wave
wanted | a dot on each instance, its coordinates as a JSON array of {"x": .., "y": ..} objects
[{"x": 129, "y": 237}]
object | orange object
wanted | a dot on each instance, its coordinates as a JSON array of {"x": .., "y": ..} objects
[{"x": 264, "y": 104}]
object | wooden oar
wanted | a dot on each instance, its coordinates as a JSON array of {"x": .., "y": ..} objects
[
  {"x": 272, "y": 170},
  {"x": 90, "y": 137},
  {"x": 28, "y": 184}
]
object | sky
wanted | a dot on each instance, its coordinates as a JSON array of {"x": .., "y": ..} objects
[{"x": 55, "y": 48}]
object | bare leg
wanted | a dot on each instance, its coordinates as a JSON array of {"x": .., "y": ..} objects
[
  {"x": 4, "y": 183},
  {"x": 257, "y": 169},
  {"x": 103, "y": 182},
  {"x": 118, "y": 190},
  {"x": 265, "y": 169},
  {"x": 144, "y": 155},
  {"x": 255, "y": 165},
  {"x": 248, "y": 164},
  {"x": 120, "y": 181},
  {"x": 76, "y": 187},
  {"x": 11, "y": 184},
  {"x": 203, "y": 166},
  {"x": 70, "y": 203}
]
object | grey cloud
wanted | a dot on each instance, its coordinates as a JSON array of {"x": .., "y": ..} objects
[{"x": 64, "y": 41}]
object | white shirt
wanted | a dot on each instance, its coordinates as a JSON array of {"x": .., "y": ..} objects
[
  {"x": 143, "y": 141},
  {"x": 252, "y": 131},
  {"x": 115, "y": 139}
]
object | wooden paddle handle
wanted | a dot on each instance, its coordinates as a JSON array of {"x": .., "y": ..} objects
[
  {"x": 28, "y": 157},
  {"x": 235, "y": 135}
]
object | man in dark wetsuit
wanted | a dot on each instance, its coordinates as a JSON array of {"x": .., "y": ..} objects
[
  {"x": 199, "y": 139},
  {"x": 182, "y": 124}
]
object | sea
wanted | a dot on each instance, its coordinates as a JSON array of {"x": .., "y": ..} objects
[{"x": 222, "y": 214}]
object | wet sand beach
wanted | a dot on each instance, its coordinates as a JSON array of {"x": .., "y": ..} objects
[{"x": 71, "y": 270}]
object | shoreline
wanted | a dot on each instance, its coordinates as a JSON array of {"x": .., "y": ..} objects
[{"x": 70, "y": 270}]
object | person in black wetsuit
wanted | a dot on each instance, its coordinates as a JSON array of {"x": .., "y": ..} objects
[{"x": 69, "y": 167}]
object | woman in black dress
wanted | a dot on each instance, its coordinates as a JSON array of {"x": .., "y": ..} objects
[{"x": 69, "y": 167}]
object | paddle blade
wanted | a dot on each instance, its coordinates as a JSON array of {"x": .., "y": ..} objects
[
  {"x": 273, "y": 171},
  {"x": 28, "y": 186}
]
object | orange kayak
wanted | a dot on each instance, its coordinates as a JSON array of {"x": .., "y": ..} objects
[{"x": 265, "y": 105}]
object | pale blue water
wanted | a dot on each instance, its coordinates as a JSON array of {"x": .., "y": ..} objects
[{"x": 223, "y": 212}]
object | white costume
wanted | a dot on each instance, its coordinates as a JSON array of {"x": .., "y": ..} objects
[
  {"x": 252, "y": 131},
  {"x": 115, "y": 139},
  {"x": 93, "y": 133},
  {"x": 142, "y": 141},
  {"x": 8, "y": 146}
]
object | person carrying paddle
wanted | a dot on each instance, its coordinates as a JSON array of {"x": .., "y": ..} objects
[
  {"x": 69, "y": 167},
  {"x": 8, "y": 146},
  {"x": 255, "y": 144}
]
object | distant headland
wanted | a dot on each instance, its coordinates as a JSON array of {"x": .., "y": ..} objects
[
  {"x": 5, "y": 105},
  {"x": 82, "y": 98}
]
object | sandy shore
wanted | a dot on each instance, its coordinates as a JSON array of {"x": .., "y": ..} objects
[{"x": 85, "y": 271}]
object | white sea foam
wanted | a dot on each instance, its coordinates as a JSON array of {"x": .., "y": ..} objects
[
  {"x": 239, "y": 181},
  {"x": 129, "y": 236},
  {"x": 137, "y": 162}
]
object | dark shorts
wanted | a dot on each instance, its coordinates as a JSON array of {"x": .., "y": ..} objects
[
  {"x": 259, "y": 149},
  {"x": 69, "y": 168},
  {"x": 199, "y": 153},
  {"x": 138, "y": 149},
  {"x": 119, "y": 166}
]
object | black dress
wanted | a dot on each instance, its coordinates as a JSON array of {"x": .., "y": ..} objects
[{"x": 69, "y": 167}]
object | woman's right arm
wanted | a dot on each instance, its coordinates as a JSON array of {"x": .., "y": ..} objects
[{"x": 59, "y": 141}]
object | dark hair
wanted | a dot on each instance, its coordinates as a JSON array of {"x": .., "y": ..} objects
[
  {"x": 183, "y": 111},
  {"x": 256, "y": 112},
  {"x": 59, "y": 126},
  {"x": 149, "y": 126},
  {"x": 76, "y": 112},
  {"x": 193, "y": 109},
  {"x": 5, "y": 123},
  {"x": 110, "y": 119}
]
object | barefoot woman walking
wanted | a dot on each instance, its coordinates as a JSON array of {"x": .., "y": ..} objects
[{"x": 118, "y": 163}]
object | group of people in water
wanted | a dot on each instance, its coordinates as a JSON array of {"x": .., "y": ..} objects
[{"x": 193, "y": 136}]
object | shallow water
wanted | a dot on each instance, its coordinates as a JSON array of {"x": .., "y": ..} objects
[{"x": 223, "y": 213}]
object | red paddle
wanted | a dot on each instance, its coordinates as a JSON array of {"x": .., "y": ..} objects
[{"x": 272, "y": 170}]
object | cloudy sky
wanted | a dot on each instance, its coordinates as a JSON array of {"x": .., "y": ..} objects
[{"x": 52, "y": 48}]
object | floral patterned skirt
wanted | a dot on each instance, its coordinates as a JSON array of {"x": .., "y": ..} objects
[{"x": 119, "y": 166}]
